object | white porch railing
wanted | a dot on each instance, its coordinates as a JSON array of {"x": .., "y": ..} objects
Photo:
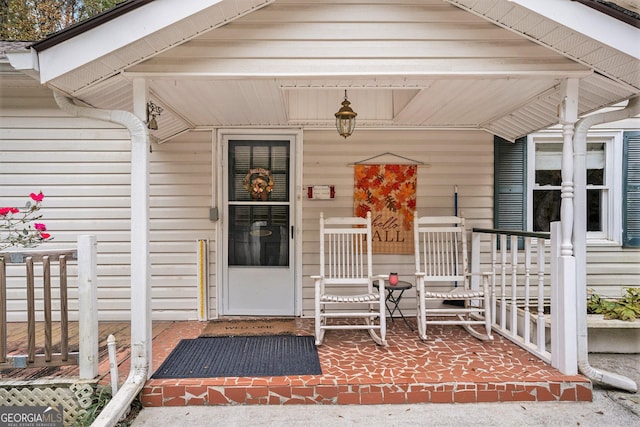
[
  {"x": 87, "y": 356},
  {"x": 521, "y": 287}
]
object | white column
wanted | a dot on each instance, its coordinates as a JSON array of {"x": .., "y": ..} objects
[
  {"x": 566, "y": 314},
  {"x": 564, "y": 330},
  {"x": 140, "y": 265},
  {"x": 568, "y": 116},
  {"x": 88, "y": 306}
]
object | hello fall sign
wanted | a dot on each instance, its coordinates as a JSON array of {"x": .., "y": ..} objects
[{"x": 389, "y": 192}]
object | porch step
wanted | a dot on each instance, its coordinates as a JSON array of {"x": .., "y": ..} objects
[
  {"x": 450, "y": 367},
  {"x": 311, "y": 391}
]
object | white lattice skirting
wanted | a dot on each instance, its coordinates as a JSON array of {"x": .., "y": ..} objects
[{"x": 74, "y": 397}]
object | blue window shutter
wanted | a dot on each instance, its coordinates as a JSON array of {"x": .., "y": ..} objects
[
  {"x": 631, "y": 190},
  {"x": 510, "y": 184}
]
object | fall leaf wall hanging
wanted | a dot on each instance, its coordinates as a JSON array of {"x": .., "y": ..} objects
[{"x": 389, "y": 192}]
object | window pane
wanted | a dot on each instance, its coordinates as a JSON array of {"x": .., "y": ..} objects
[
  {"x": 549, "y": 177},
  {"x": 548, "y": 156},
  {"x": 594, "y": 210},
  {"x": 548, "y": 164},
  {"x": 595, "y": 163},
  {"x": 546, "y": 209}
]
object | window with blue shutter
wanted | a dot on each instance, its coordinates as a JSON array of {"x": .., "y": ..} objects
[
  {"x": 510, "y": 184},
  {"x": 510, "y": 175},
  {"x": 631, "y": 190}
]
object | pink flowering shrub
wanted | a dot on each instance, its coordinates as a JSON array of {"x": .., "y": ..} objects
[{"x": 16, "y": 228}]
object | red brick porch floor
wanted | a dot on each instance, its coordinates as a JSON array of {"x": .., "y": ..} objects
[{"x": 451, "y": 367}]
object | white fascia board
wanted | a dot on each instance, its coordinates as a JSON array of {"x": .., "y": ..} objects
[
  {"x": 115, "y": 34},
  {"x": 589, "y": 22},
  {"x": 25, "y": 61}
]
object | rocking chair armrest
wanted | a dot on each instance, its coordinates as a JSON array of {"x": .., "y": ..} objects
[
  {"x": 420, "y": 274},
  {"x": 380, "y": 278},
  {"x": 484, "y": 279},
  {"x": 318, "y": 284},
  {"x": 484, "y": 273}
]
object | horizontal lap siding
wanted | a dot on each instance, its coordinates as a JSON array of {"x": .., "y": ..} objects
[
  {"x": 459, "y": 158},
  {"x": 83, "y": 168},
  {"x": 180, "y": 200},
  {"x": 610, "y": 269}
]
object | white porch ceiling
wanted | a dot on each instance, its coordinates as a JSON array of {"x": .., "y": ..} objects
[{"x": 416, "y": 64}]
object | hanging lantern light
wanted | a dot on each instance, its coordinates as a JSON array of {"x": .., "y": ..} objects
[{"x": 345, "y": 118}]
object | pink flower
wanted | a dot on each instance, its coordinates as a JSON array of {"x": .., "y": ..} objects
[
  {"x": 37, "y": 197},
  {"x": 40, "y": 227},
  {"x": 5, "y": 211},
  {"x": 45, "y": 235}
]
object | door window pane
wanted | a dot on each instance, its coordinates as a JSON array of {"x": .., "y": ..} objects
[
  {"x": 258, "y": 171},
  {"x": 258, "y": 218},
  {"x": 259, "y": 235}
]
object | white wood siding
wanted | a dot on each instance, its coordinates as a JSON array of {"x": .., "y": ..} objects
[
  {"x": 181, "y": 176},
  {"x": 83, "y": 168},
  {"x": 610, "y": 269},
  {"x": 451, "y": 158}
]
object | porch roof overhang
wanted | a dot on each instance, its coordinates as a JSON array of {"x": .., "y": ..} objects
[{"x": 494, "y": 65}]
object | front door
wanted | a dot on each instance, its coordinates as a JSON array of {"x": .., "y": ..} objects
[{"x": 258, "y": 226}]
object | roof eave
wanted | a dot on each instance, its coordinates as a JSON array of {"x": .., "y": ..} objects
[
  {"x": 25, "y": 61},
  {"x": 589, "y": 22},
  {"x": 88, "y": 24},
  {"x": 68, "y": 51}
]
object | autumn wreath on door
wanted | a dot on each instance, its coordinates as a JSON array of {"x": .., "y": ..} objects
[
  {"x": 389, "y": 192},
  {"x": 259, "y": 183}
]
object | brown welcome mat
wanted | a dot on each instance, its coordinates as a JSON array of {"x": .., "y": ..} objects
[{"x": 230, "y": 328}]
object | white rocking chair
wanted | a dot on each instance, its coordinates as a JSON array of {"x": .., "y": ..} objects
[
  {"x": 442, "y": 276},
  {"x": 344, "y": 289}
]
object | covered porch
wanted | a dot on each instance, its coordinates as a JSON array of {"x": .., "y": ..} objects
[
  {"x": 451, "y": 367},
  {"x": 434, "y": 98}
]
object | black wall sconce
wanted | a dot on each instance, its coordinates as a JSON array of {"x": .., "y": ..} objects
[{"x": 153, "y": 111}]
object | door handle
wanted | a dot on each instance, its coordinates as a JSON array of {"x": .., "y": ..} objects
[{"x": 292, "y": 231}]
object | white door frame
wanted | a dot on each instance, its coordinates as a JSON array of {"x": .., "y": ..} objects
[{"x": 296, "y": 198}]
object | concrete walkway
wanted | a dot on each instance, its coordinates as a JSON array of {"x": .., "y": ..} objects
[{"x": 608, "y": 408}]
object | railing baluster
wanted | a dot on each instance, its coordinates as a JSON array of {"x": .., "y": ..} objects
[
  {"x": 64, "y": 309},
  {"x": 503, "y": 284},
  {"x": 31, "y": 311},
  {"x": 514, "y": 285},
  {"x": 527, "y": 284},
  {"x": 494, "y": 259},
  {"x": 541, "y": 327},
  {"x": 3, "y": 311},
  {"x": 46, "y": 280}
]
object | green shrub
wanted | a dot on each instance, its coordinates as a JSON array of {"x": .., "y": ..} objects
[{"x": 626, "y": 308}]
